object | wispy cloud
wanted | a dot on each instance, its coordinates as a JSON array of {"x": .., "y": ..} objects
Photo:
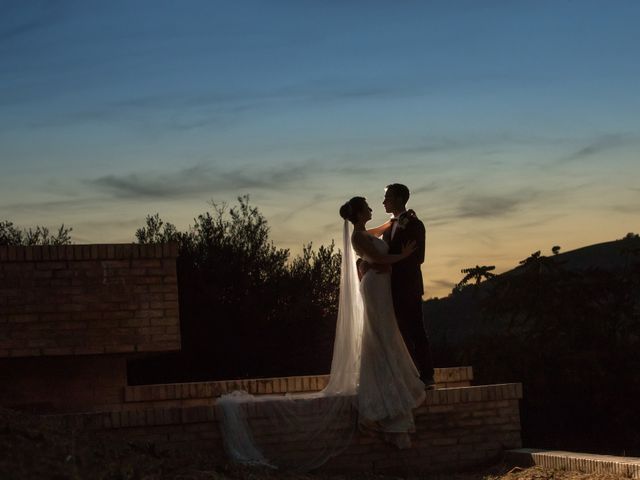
[
  {"x": 81, "y": 204},
  {"x": 625, "y": 208},
  {"x": 19, "y": 20},
  {"x": 190, "y": 180},
  {"x": 481, "y": 206},
  {"x": 200, "y": 179},
  {"x": 172, "y": 111},
  {"x": 600, "y": 145},
  {"x": 300, "y": 209},
  {"x": 426, "y": 188},
  {"x": 442, "y": 283}
]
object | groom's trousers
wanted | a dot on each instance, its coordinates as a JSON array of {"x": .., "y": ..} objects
[{"x": 408, "y": 309}]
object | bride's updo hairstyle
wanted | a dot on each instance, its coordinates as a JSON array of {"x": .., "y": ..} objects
[{"x": 351, "y": 209}]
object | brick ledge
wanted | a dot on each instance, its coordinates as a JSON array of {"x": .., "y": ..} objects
[
  {"x": 437, "y": 401},
  {"x": 582, "y": 462},
  {"x": 445, "y": 377}
]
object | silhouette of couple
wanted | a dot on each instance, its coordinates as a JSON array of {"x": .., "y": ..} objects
[
  {"x": 396, "y": 365},
  {"x": 381, "y": 359}
]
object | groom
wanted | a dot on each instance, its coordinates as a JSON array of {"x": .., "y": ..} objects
[{"x": 406, "y": 278}]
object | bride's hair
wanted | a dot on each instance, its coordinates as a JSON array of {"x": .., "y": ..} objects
[{"x": 351, "y": 209}]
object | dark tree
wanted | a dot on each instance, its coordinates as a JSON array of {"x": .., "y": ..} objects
[
  {"x": 477, "y": 273},
  {"x": 12, "y": 235},
  {"x": 246, "y": 310}
]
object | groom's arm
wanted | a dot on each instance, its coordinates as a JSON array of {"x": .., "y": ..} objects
[{"x": 416, "y": 232}]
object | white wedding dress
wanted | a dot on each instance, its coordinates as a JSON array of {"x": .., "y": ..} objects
[
  {"x": 371, "y": 370},
  {"x": 389, "y": 386}
]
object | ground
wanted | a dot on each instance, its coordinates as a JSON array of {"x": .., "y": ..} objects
[{"x": 33, "y": 448}]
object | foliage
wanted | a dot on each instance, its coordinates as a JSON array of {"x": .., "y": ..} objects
[
  {"x": 572, "y": 337},
  {"x": 12, "y": 235},
  {"x": 477, "y": 273},
  {"x": 245, "y": 308},
  {"x": 156, "y": 231}
]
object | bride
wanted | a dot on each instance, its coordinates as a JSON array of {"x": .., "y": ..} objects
[
  {"x": 389, "y": 384},
  {"x": 372, "y": 373}
]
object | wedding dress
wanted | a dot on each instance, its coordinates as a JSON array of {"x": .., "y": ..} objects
[
  {"x": 389, "y": 386},
  {"x": 373, "y": 384}
]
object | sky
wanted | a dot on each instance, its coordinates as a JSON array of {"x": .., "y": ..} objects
[{"x": 515, "y": 124}]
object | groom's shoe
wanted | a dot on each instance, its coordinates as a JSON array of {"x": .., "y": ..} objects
[{"x": 429, "y": 383}]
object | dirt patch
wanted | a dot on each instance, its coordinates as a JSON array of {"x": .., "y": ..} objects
[{"x": 539, "y": 473}]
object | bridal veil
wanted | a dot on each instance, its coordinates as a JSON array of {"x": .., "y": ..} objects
[{"x": 334, "y": 421}]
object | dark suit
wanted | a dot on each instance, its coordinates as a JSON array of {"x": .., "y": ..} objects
[{"x": 407, "y": 289}]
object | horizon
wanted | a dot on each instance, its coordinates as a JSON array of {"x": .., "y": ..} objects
[{"x": 514, "y": 126}]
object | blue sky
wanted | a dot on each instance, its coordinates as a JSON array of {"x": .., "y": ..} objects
[{"x": 514, "y": 123}]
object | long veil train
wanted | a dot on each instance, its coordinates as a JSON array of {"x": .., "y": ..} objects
[{"x": 334, "y": 423}]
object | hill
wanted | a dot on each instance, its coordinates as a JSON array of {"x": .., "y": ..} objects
[
  {"x": 568, "y": 327},
  {"x": 454, "y": 318}
]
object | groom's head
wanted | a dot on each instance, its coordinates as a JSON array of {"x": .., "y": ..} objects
[{"x": 396, "y": 197}]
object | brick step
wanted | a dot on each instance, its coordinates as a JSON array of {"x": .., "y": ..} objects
[
  {"x": 582, "y": 462},
  {"x": 455, "y": 428},
  {"x": 444, "y": 377}
]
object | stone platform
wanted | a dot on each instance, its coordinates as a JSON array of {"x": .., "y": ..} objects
[{"x": 456, "y": 428}]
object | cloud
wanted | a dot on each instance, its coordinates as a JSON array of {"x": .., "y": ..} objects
[
  {"x": 634, "y": 209},
  {"x": 485, "y": 206},
  {"x": 441, "y": 283},
  {"x": 477, "y": 206},
  {"x": 203, "y": 179},
  {"x": 189, "y": 180},
  {"x": 300, "y": 209},
  {"x": 599, "y": 145},
  {"x": 171, "y": 111},
  {"x": 441, "y": 144},
  {"x": 19, "y": 20},
  {"x": 355, "y": 170},
  {"x": 84, "y": 204},
  {"x": 427, "y": 188},
  {"x": 543, "y": 217}
]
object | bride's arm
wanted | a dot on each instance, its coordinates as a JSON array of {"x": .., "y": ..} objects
[
  {"x": 380, "y": 229},
  {"x": 362, "y": 243}
]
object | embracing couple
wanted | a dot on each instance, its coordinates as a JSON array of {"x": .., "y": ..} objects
[
  {"x": 395, "y": 365},
  {"x": 381, "y": 361}
]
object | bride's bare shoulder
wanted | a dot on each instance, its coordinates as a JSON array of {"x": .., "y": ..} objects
[
  {"x": 361, "y": 235},
  {"x": 361, "y": 239}
]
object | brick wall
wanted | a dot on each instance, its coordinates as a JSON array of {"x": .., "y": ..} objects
[
  {"x": 455, "y": 428},
  {"x": 88, "y": 299}
]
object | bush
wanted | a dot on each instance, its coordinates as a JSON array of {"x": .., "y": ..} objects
[
  {"x": 12, "y": 235},
  {"x": 245, "y": 309}
]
